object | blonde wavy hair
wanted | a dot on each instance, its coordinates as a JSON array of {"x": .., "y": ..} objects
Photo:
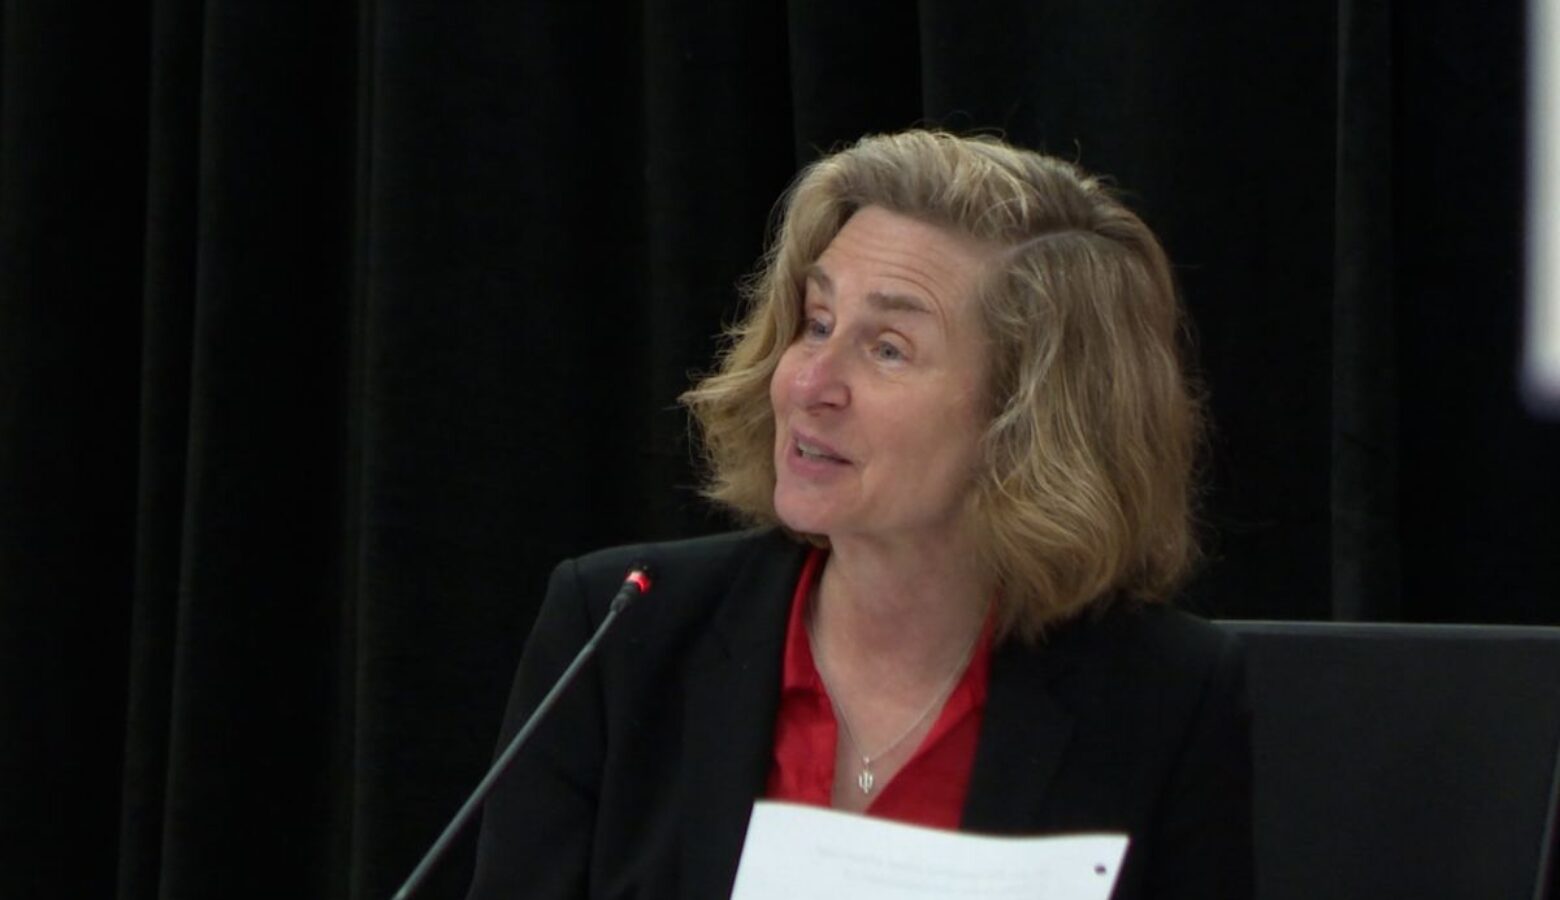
[{"x": 1087, "y": 487}]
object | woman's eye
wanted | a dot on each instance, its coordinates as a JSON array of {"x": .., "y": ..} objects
[
  {"x": 889, "y": 352},
  {"x": 814, "y": 328}
]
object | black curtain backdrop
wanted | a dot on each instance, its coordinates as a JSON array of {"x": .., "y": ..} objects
[{"x": 326, "y": 329}]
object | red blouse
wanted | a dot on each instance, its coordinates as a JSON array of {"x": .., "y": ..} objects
[{"x": 929, "y": 789}]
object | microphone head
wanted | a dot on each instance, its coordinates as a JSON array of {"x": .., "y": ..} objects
[{"x": 639, "y": 576}]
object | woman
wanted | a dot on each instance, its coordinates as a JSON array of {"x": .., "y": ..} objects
[{"x": 956, "y": 409}]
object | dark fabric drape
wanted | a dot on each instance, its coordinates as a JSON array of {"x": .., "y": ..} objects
[
  {"x": 1366, "y": 578},
  {"x": 326, "y": 329}
]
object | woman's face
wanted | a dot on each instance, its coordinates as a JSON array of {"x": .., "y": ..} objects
[{"x": 878, "y": 400}]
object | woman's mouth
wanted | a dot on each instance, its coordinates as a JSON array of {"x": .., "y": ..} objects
[{"x": 811, "y": 451}]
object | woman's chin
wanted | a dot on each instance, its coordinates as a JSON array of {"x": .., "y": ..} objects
[{"x": 803, "y": 518}]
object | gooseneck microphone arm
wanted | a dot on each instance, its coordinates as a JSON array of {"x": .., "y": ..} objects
[{"x": 635, "y": 584}]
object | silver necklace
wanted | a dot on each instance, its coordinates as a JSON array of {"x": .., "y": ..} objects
[{"x": 865, "y": 779}]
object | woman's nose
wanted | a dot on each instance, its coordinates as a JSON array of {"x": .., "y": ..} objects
[{"x": 821, "y": 380}]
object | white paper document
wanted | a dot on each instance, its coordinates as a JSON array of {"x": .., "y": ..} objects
[{"x": 799, "y": 852}]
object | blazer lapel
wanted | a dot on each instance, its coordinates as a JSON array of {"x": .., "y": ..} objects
[
  {"x": 1024, "y": 732},
  {"x": 731, "y": 699}
]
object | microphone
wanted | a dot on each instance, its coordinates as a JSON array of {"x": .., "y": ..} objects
[{"x": 635, "y": 584}]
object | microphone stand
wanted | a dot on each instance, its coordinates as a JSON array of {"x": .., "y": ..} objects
[{"x": 636, "y": 583}]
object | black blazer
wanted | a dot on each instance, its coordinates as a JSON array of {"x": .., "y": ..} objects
[{"x": 641, "y": 781}]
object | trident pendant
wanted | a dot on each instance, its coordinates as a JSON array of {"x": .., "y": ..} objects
[{"x": 864, "y": 781}]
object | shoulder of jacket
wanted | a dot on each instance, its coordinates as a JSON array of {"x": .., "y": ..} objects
[{"x": 676, "y": 565}]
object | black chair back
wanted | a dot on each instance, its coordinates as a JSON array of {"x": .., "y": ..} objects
[{"x": 1413, "y": 761}]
